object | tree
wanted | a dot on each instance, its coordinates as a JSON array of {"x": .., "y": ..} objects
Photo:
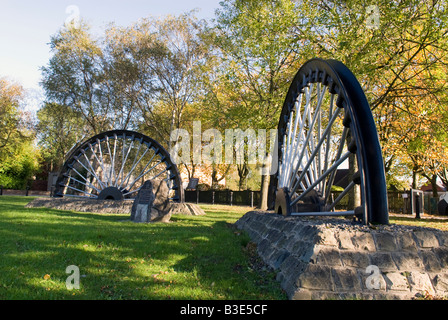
[
  {"x": 398, "y": 51},
  {"x": 18, "y": 155},
  {"x": 162, "y": 58},
  {"x": 10, "y": 122},
  {"x": 59, "y": 129},
  {"x": 19, "y": 165},
  {"x": 260, "y": 55},
  {"x": 79, "y": 75}
]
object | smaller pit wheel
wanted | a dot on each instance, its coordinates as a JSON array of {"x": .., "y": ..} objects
[{"x": 114, "y": 165}]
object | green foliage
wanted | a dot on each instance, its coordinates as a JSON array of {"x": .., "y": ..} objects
[
  {"x": 260, "y": 54},
  {"x": 10, "y": 117},
  {"x": 74, "y": 76},
  {"x": 59, "y": 129},
  {"x": 18, "y": 155},
  {"x": 400, "y": 58},
  {"x": 18, "y": 168}
]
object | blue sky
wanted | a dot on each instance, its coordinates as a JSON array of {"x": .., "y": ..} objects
[{"x": 26, "y": 27}]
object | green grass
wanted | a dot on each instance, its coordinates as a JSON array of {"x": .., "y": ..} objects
[
  {"x": 190, "y": 258},
  {"x": 435, "y": 223}
]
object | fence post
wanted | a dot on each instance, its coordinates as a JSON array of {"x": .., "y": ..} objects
[
  {"x": 197, "y": 196},
  {"x": 213, "y": 198},
  {"x": 231, "y": 198},
  {"x": 252, "y": 199},
  {"x": 417, "y": 206}
]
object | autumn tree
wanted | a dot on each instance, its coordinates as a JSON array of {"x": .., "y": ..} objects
[
  {"x": 59, "y": 129},
  {"x": 10, "y": 96},
  {"x": 398, "y": 52},
  {"x": 260, "y": 55},
  {"x": 18, "y": 154},
  {"x": 160, "y": 60},
  {"x": 81, "y": 75}
]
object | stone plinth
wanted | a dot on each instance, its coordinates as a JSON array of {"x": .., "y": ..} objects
[
  {"x": 330, "y": 258},
  {"x": 188, "y": 209},
  {"x": 107, "y": 206},
  {"x": 83, "y": 205}
]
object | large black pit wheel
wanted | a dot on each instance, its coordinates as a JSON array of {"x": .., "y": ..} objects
[
  {"x": 114, "y": 165},
  {"x": 325, "y": 122}
]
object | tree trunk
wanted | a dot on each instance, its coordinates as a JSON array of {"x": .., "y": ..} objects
[
  {"x": 354, "y": 199},
  {"x": 443, "y": 175},
  {"x": 435, "y": 193},
  {"x": 243, "y": 172},
  {"x": 215, "y": 178},
  {"x": 263, "y": 205},
  {"x": 414, "y": 178}
]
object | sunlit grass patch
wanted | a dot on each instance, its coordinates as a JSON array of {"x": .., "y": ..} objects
[{"x": 190, "y": 258}]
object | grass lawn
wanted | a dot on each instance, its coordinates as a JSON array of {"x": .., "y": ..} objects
[
  {"x": 191, "y": 258},
  {"x": 427, "y": 222}
]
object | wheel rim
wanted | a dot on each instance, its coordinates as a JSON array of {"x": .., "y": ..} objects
[
  {"x": 114, "y": 165},
  {"x": 326, "y": 120}
]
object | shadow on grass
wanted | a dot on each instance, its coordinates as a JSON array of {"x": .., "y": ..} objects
[{"x": 191, "y": 258}]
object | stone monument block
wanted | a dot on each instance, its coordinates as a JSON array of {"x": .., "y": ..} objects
[
  {"x": 152, "y": 203},
  {"x": 142, "y": 207}
]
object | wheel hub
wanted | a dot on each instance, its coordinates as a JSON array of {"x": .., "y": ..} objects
[
  {"x": 283, "y": 202},
  {"x": 111, "y": 193},
  {"x": 313, "y": 202}
]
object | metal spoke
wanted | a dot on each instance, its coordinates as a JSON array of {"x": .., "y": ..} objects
[
  {"x": 288, "y": 164},
  {"x": 308, "y": 136},
  {"x": 159, "y": 174},
  {"x": 134, "y": 165},
  {"x": 96, "y": 157},
  {"x": 131, "y": 192},
  {"x": 327, "y": 149},
  {"x": 111, "y": 160},
  {"x": 87, "y": 184},
  {"x": 84, "y": 192},
  {"x": 322, "y": 177},
  {"x": 124, "y": 161},
  {"x": 316, "y": 150},
  {"x": 324, "y": 213},
  {"x": 145, "y": 172},
  {"x": 295, "y": 139},
  {"x": 93, "y": 171},
  {"x": 338, "y": 155},
  {"x": 79, "y": 174},
  {"x": 80, "y": 197},
  {"x": 342, "y": 195},
  {"x": 109, "y": 182},
  {"x": 77, "y": 160}
]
